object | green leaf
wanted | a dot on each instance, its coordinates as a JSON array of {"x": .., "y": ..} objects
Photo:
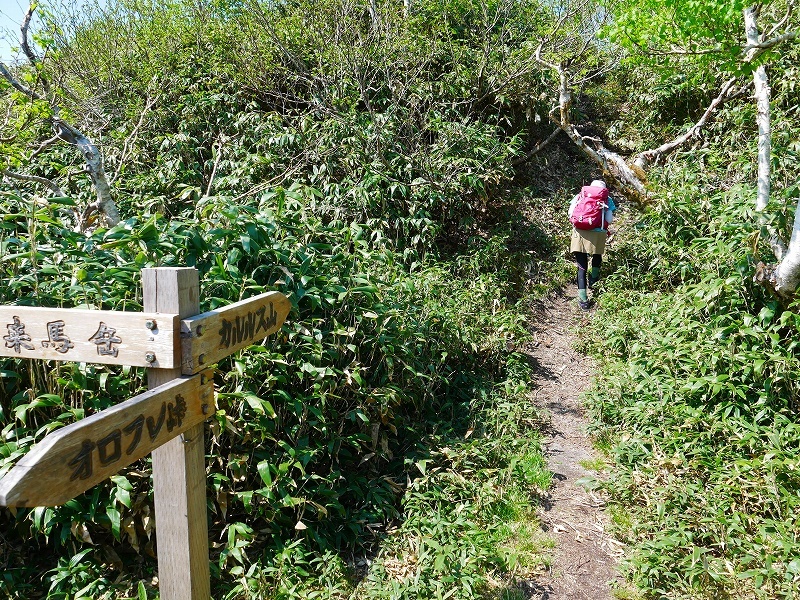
[
  {"x": 265, "y": 472},
  {"x": 114, "y": 518}
]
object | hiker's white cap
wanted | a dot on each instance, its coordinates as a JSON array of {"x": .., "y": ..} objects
[{"x": 598, "y": 183}]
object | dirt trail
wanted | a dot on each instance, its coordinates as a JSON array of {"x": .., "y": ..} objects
[{"x": 585, "y": 557}]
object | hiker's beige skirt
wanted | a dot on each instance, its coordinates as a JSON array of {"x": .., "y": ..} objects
[{"x": 590, "y": 242}]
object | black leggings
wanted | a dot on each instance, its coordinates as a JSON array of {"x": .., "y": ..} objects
[{"x": 582, "y": 260}]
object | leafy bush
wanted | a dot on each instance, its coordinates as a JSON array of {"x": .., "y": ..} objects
[{"x": 311, "y": 441}]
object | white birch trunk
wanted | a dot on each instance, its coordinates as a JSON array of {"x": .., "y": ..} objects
[
  {"x": 786, "y": 277},
  {"x": 762, "y": 96},
  {"x": 94, "y": 166}
]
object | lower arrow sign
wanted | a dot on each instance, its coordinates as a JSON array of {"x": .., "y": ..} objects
[{"x": 69, "y": 461}]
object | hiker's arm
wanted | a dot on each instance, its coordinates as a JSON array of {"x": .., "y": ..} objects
[{"x": 609, "y": 216}]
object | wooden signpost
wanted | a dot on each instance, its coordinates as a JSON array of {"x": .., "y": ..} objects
[
  {"x": 209, "y": 337},
  {"x": 74, "y": 458},
  {"x": 177, "y": 345},
  {"x": 98, "y": 336}
]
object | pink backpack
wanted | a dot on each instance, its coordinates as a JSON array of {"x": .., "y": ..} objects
[{"x": 590, "y": 211}]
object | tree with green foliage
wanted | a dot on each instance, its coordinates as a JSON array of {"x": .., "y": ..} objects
[
  {"x": 723, "y": 37},
  {"x": 32, "y": 103}
]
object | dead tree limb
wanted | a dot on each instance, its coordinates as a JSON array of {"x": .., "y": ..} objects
[
  {"x": 629, "y": 182},
  {"x": 646, "y": 158},
  {"x": 52, "y": 185},
  {"x": 536, "y": 149},
  {"x": 94, "y": 167}
]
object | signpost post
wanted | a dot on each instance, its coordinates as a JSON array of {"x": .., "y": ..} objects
[
  {"x": 177, "y": 345},
  {"x": 179, "y": 471}
]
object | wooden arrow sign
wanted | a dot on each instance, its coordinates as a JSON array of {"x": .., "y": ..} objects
[
  {"x": 73, "y": 459},
  {"x": 96, "y": 336},
  {"x": 211, "y": 336}
]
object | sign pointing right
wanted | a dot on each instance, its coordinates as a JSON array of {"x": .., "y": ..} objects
[{"x": 213, "y": 335}]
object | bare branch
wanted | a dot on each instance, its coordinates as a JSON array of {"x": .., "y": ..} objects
[
  {"x": 649, "y": 156},
  {"x": 43, "y": 146},
  {"x": 33, "y": 179},
  {"x": 536, "y": 149},
  {"x": 23, "y": 35},
  {"x": 220, "y": 143},
  {"x": 540, "y": 60},
  {"x": 16, "y": 84},
  {"x": 149, "y": 104},
  {"x": 754, "y": 50},
  {"x": 783, "y": 21},
  {"x": 28, "y": 51}
]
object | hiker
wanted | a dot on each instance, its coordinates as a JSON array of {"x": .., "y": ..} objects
[{"x": 590, "y": 212}]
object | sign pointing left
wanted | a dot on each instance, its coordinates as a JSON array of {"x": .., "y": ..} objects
[
  {"x": 96, "y": 336},
  {"x": 70, "y": 460}
]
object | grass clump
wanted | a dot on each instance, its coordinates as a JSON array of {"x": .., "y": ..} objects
[{"x": 469, "y": 525}]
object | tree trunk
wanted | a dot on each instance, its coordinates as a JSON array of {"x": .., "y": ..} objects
[
  {"x": 762, "y": 96},
  {"x": 784, "y": 277},
  {"x": 94, "y": 166}
]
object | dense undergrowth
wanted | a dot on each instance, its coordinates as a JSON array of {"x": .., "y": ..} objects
[
  {"x": 383, "y": 442},
  {"x": 389, "y": 408},
  {"x": 368, "y": 163},
  {"x": 697, "y": 401}
]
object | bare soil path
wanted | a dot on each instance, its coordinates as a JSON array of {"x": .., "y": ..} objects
[{"x": 585, "y": 556}]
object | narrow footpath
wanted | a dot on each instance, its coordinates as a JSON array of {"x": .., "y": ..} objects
[{"x": 585, "y": 556}]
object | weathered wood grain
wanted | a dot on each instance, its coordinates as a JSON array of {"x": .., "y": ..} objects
[
  {"x": 213, "y": 335},
  {"x": 93, "y": 336},
  {"x": 70, "y": 460},
  {"x": 179, "y": 473}
]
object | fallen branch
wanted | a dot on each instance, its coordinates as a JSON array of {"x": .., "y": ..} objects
[
  {"x": 536, "y": 149},
  {"x": 644, "y": 159}
]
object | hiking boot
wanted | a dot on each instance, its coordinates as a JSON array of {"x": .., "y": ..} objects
[{"x": 585, "y": 305}]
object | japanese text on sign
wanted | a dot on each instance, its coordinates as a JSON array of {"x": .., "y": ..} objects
[
  {"x": 109, "y": 447},
  {"x": 247, "y": 327},
  {"x": 81, "y": 335},
  {"x": 18, "y": 339}
]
